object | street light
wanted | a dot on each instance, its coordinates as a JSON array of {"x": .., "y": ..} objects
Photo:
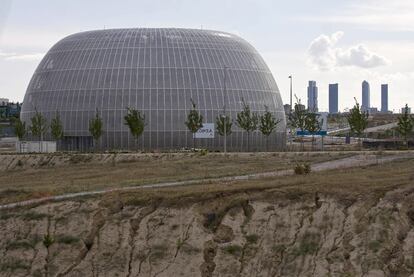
[{"x": 224, "y": 109}]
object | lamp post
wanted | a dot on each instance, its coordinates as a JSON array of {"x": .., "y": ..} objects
[
  {"x": 290, "y": 111},
  {"x": 224, "y": 108}
]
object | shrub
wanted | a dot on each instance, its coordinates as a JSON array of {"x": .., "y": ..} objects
[
  {"x": 234, "y": 249},
  {"x": 301, "y": 169},
  {"x": 203, "y": 152},
  {"x": 48, "y": 241}
]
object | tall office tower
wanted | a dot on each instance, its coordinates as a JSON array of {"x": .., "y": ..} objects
[
  {"x": 312, "y": 96},
  {"x": 365, "y": 96},
  {"x": 333, "y": 98},
  {"x": 384, "y": 98}
]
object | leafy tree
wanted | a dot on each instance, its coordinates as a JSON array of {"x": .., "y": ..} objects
[
  {"x": 20, "y": 128},
  {"x": 56, "y": 127},
  {"x": 247, "y": 120},
  {"x": 357, "y": 120},
  {"x": 298, "y": 117},
  {"x": 405, "y": 124},
  {"x": 39, "y": 125},
  {"x": 96, "y": 128},
  {"x": 194, "y": 121},
  {"x": 136, "y": 123},
  {"x": 224, "y": 125},
  {"x": 268, "y": 124},
  {"x": 312, "y": 125}
]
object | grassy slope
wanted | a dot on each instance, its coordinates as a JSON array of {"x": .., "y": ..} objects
[{"x": 17, "y": 185}]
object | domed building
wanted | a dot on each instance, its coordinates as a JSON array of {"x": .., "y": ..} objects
[{"x": 158, "y": 72}]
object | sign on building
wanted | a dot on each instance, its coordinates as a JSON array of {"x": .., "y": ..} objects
[{"x": 207, "y": 131}]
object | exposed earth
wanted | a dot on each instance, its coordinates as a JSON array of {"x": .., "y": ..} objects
[{"x": 344, "y": 222}]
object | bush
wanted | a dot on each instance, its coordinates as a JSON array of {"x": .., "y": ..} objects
[
  {"x": 48, "y": 241},
  {"x": 203, "y": 152},
  {"x": 234, "y": 249},
  {"x": 301, "y": 169}
]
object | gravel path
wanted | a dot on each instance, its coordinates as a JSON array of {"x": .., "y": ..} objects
[{"x": 354, "y": 161}]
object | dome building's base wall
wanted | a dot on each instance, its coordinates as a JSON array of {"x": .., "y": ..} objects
[{"x": 153, "y": 141}]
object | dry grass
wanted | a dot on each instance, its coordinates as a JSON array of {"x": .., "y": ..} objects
[
  {"x": 347, "y": 185},
  {"x": 18, "y": 185}
]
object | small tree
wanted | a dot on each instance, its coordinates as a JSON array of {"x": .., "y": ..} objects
[
  {"x": 312, "y": 125},
  {"x": 56, "y": 127},
  {"x": 194, "y": 121},
  {"x": 357, "y": 120},
  {"x": 247, "y": 120},
  {"x": 224, "y": 125},
  {"x": 405, "y": 124},
  {"x": 39, "y": 126},
  {"x": 136, "y": 123},
  {"x": 20, "y": 128},
  {"x": 95, "y": 128},
  {"x": 268, "y": 124},
  {"x": 298, "y": 116}
]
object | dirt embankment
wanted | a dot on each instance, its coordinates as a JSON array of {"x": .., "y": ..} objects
[{"x": 239, "y": 234}]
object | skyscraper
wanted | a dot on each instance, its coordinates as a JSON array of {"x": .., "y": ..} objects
[
  {"x": 312, "y": 96},
  {"x": 384, "y": 98},
  {"x": 365, "y": 96},
  {"x": 333, "y": 98}
]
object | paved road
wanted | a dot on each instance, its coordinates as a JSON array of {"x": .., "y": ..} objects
[
  {"x": 367, "y": 130},
  {"x": 354, "y": 161}
]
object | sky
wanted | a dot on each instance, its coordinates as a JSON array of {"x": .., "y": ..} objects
[{"x": 342, "y": 42}]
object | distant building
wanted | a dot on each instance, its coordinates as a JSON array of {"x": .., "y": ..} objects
[
  {"x": 333, "y": 98},
  {"x": 403, "y": 110},
  {"x": 365, "y": 96},
  {"x": 372, "y": 110},
  {"x": 4, "y": 101},
  {"x": 384, "y": 98},
  {"x": 312, "y": 97},
  {"x": 9, "y": 109}
]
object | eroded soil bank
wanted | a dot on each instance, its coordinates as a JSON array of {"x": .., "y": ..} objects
[{"x": 263, "y": 233}]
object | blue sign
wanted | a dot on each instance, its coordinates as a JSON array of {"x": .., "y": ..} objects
[{"x": 307, "y": 133}]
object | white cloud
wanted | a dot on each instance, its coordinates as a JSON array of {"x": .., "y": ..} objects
[
  {"x": 21, "y": 57},
  {"x": 25, "y": 57},
  {"x": 325, "y": 55}
]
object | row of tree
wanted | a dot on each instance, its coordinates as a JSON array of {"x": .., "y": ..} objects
[
  {"x": 246, "y": 119},
  {"x": 135, "y": 120},
  {"x": 303, "y": 119}
]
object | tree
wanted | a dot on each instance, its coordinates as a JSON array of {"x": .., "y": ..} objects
[
  {"x": 247, "y": 120},
  {"x": 56, "y": 127},
  {"x": 136, "y": 123},
  {"x": 268, "y": 124},
  {"x": 39, "y": 127},
  {"x": 20, "y": 128},
  {"x": 312, "y": 125},
  {"x": 298, "y": 116},
  {"x": 194, "y": 121},
  {"x": 405, "y": 124},
  {"x": 357, "y": 120},
  {"x": 224, "y": 125},
  {"x": 95, "y": 128}
]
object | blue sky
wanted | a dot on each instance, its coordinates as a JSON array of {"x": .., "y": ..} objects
[{"x": 327, "y": 41}]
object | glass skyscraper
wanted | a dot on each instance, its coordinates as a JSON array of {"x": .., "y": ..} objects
[
  {"x": 384, "y": 98},
  {"x": 312, "y": 96},
  {"x": 333, "y": 98},
  {"x": 365, "y": 96},
  {"x": 158, "y": 71}
]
